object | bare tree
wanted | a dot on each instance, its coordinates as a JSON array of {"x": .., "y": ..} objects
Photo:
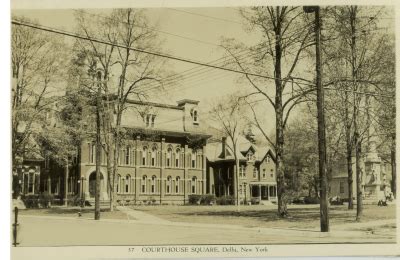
[
  {"x": 129, "y": 28},
  {"x": 37, "y": 61},
  {"x": 357, "y": 55},
  {"x": 285, "y": 35},
  {"x": 231, "y": 122}
]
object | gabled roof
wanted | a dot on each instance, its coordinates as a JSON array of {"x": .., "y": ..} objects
[{"x": 214, "y": 151}]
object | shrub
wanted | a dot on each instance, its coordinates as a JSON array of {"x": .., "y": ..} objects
[
  {"x": 194, "y": 199},
  {"x": 311, "y": 200},
  {"x": 45, "y": 200},
  {"x": 207, "y": 199},
  {"x": 74, "y": 200},
  {"x": 225, "y": 200},
  {"x": 299, "y": 200},
  {"x": 254, "y": 201},
  {"x": 30, "y": 201},
  {"x": 35, "y": 201}
]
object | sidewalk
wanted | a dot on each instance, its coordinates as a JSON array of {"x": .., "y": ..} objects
[{"x": 140, "y": 216}]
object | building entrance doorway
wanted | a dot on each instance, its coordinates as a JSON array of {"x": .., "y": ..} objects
[{"x": 92, "y": 183}]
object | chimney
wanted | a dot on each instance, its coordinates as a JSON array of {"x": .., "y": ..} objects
[{"x": 223, "y": 153}]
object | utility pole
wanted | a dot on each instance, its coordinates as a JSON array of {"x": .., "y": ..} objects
[
  {"x": 324, "y": 210},
  {"x": 98, "y": 148}
]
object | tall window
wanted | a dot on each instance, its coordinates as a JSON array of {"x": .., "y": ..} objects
[
  {"x": 341, "y": 187},
  {"x": 264, "y": 173},
  {"x": 177, "y": 188},
  {"x": 177, "y": 155},
  {"x": 153, "y": 184},
  {"x": 250, "y": 156},
  {"x": 242, "y": 172},
  {"x": 128, "y": 184},
  {"x": 127, "y": 155},
  {"x": 169, "y": 184},
  {"x": 268, "y": 159},
  {"x": 254, "y": 172},
  {"x": 31, "y": 182},
  {"x": 194, "y": 184},
  {"x": 153, "y": 156},
  {"x": 195, "y": 117},
  {"x": 119, "y": 184},
  {"x": 92, "y": 153},
  {"x": 144, "y": 184},
  {"x": 193, "y": 159},
  {"x": 144, "y": 155},
  {"x": 150, "y": 119},
  {"x": 169, "y": 157}
]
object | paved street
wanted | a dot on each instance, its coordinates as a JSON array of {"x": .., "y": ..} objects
[{"x": 64, "y": 231}]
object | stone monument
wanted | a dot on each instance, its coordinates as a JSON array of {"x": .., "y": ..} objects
[{"x": 372, "y": 181}]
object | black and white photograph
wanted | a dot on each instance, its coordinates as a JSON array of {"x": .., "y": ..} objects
[{"x": 202, "y": 130}]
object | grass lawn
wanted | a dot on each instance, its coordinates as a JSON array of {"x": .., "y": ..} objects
[
  {"x": 73, "y": 212},
  {"x": 301, "y": 216}
]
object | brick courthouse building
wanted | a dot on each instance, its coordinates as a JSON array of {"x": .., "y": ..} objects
[
  {"x": 165, "y": 157},
  {"x": 161, "y": 160}
]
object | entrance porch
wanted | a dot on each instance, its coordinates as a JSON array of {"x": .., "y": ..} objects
[{"x": 263, "y": 191}]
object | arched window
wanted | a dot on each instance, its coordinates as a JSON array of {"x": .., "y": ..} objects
[
  {"x": 169, "y": 184},
  {"x": 169, "y": 157},
  {"x": 177, "y": 185},
  {"x": 119, "y": 184},
  {"x": 128, "y": 184},
  {"x": 127, "y": 155},
  {"x": 195, "y": 116},
  {"x": 177, "y": 155},
  {"x": 153, "y": 156},
  {"x": 194, "y": 153},
  {"x": 92, "y": 153},
  {"x": 194, "y": 184},
  {"x": 268, "y": 159},
  {"x": 153, "y": 184},
  {"x": 144, "y": 156},
  {"x": 144, "y": 184}
]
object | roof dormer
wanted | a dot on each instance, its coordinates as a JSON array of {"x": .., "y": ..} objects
[{"x": 191, "y": 113}]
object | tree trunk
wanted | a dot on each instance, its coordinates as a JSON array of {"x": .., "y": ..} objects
[
  {"x": 116, "y": 152},
  {"x": 349, "y": 148},
  {"x": 282, "y": 207},
  {"x": 324, "y": 210},
  {"x": 237, "y": 194},
  {"x": 393, "y": 164},
  {"x": 66, "y": 183},
  {"x": 98, "y": 156},
  {"x": 359, "y": 177},
  {"x": 357, "y": 142},
  {"x": 110, "y": 178},
  {"x": 349, "y": 170}
]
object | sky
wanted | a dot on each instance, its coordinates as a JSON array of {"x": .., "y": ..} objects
[
  {"x": 197, "y": 32},
  {"x": 202, "y": 35}
]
